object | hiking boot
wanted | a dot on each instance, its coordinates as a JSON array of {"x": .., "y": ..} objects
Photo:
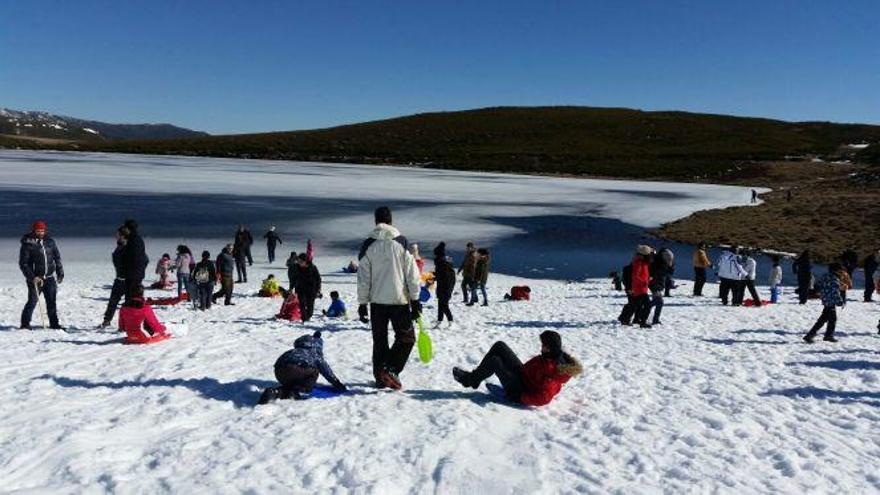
[
  {"x": 808, "y": 338},
  {"x": 469, "y": 304},
  {"x": 656, "y": 323},
  {"x": 484, "y": 304},
  {"x": 390, "y": 380},
  {"x": 105, "y": 324},
  {"x": 829, "y": 338},
  {"x": 269, "y": 395},
  {"x": 24, "y": 327},
  {"x": 57, "y": 327},
  {"x": 463, "y": 377},
  {"x": 644, "y": 325}
]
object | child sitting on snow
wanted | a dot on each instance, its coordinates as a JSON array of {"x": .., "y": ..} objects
[
  {"x": 337, "y": 307},
  {"x": 270, "y": 287},
  {"x": 351, "y": 268},
  {"x": 297, "y": 370},
  {"x": 163, "y": 269},
  {"x": 290, "y": 308},
  {"x": 137, "y": 320}
]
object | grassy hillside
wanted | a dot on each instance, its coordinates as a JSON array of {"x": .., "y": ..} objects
[{"x": 559, "y": 140}]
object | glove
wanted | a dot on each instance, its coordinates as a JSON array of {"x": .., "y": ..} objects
[
  {"x": 362, "y": 313},
  {"x": 415, "y": 309},
  {"x": 320, "y": 296},
  {"x": 60, "y": 278}
]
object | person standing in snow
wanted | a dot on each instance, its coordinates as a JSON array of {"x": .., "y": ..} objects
[
  {"x": 444, "y": 276},
  {"x": 292, "y": 269},
  {"x": 467, "y": 270},
  {"x": 481, "y": 277},
  {"x": 870, "y": 272},
  {"x": 829, "y": 286},
  {"x": 272, "y": 239},
  {"x": 388, "y": 281},
  {"x": 775, "y": 280},
  {"x": 626, "y": 314},
  {"x": 751, "y": 268},
  {"x": 701, "y": 263},
  {"x": 40, "y": 262},
  {"x": 297, "y": 370},
  {"x": 308, "y": 286},
  {"x": 850, "y": 260},
  {"x": 243, "y": 242},
  {"x": 659, "y": 272},
  {"x": 225, "y": 267},
  {"x": 134, "y": 259},
  {"x": 641, "y": 278},
  {"x": 204, "y": 274},
  {"x": 184, "y": 263},
  {"x": 669, "y": 260},
  {"x": 730, "y": 272},
  {"x": 803, "y": 268},
  {"x": 118, "y": 289},
  {"x": 534, "y": 383}
]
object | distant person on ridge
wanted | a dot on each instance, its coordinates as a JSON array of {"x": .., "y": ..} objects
[
  {"x": 118, "y": 289},
  {"x": 40, "y": 262},
  {"x": 388, "y": 281},
  {"x": 701, "y": 263},
  {"x": 272, "y": 239}
]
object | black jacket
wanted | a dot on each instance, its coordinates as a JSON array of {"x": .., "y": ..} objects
[
  {"x": 272, "y": 238},
  {"x": 659, "y": 270},
  {"x": 117, "y": 261},
  {"x": 308, "y": 281},
  {"x": 627, "y": 277},
  {"x": 212, "y": 271},
  {"x": 871, "y": 264},
  {"x": 134, "y": 258},
  {"x": 444, "y": 276},
  {"x": 243, "y": 240},
  {"x": 802, "y": 267},
  {"x": 39, "y": 258}
]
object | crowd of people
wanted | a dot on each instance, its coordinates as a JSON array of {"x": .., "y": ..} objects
[{"x": 392, "y": 284}]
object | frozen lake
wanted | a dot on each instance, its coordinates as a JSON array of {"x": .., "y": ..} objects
[{"x": 536, "y": 226}]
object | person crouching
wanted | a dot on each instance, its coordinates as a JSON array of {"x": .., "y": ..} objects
[
  {"x": 297, "y": 370},
  {"x": 139, "y": 322}
]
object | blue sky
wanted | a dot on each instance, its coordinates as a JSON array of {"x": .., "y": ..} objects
[{"x": 251, "y": 66}]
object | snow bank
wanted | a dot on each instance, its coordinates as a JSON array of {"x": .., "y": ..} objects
[{"x": 716, "y": 400}]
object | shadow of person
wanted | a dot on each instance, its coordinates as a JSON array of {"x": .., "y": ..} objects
[
  {"x": 241, "y": 393},
  {"x": 479, "y": 398}
]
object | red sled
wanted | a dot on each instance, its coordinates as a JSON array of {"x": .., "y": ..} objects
[
  {"x": 167, "y": 301},
  {"x": 749, "y": 302}
]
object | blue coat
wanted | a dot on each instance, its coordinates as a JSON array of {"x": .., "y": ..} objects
[
  {"x": 308, "y": 352},
  {"x": 336, "y": 309}
]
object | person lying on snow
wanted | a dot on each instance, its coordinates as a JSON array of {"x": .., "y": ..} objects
[
  {"x": 297, "y": 370},
  {"x": 139, "y": 322},
  {"x": 351, "y": 268},
  {"x": 270, "y": 287},
  {"x": 290, "y": 308},
  {"x": 534, "y": 383},
  {"x": 163, "y": 269},
  {"x": 337, "y": 307}
]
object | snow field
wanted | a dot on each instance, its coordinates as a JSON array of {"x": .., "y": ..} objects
[{"x": 715, "y": 400}]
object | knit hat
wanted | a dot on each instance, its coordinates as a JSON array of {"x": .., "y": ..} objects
[
  {"x": 39, "y": 225},
  {"x": 553, "y": 341},
  {"x": 440, "y": 250},
  {"x": 644, "y": 250}
]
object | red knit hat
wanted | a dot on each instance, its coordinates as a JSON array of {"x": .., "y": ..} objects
[{"x": 39, "y": 225}]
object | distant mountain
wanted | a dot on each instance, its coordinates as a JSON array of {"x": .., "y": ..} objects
[
  {"x": 614, "y": 142},
  {"x": 47, "y": 127}
]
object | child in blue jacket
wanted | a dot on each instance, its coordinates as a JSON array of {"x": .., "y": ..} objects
[
  {"x": 337, "y": 307},
  {"x": 297, "y": 370},
  {"x": 829, "y": 286}
]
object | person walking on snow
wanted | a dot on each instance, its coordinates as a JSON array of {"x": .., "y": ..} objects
[
  {"x": 751, "y": 268},
  {"x": 775, "y": 280},
  {"x": 240, "y": 249},
  {"x": 308, "y": 286},
  {"x": 118, "y": 289},
  {"x": 444, "y": 276},
  {"x": 668, "y": 281},
  {"x": 641, "y": 278},
  {"x": 629, "y": 309},
  {"x": 870, "y": 272},
  {"x": 225, "y": 266},
  {"x": 467, "y": 270},
  {"x": 40, "y": 262},
  {"x": 243, "y": 242},
  {"x": 829, "y": 286},
  {"x": 534, "y": 383},
  {"x": 292, "y": 269},
  {"x": 388, "y": 281},
  {"x": 659, "y": 272},
  {"x": 803, "y": 268},
  {"x": 272, "y": 239},
  {"x": 481, "y": 277},
  {"x": 701, "y": 263},
  {"x": 134, "y": 259},
  {"x": 204, "y": 274}
]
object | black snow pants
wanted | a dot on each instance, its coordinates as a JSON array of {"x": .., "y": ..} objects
[
  {"x": 116, "y": 294},
  {"x": 394, "y": 358},
  {"x": 629, "y": 309},
  {"x": 502, "y": 362},
  {"x": 295, "y": 378},
  {"x": 803, "y": 289},
  {"x": 829, "y": 316},
  {"x": 443, "y": 308},
  {"x": 699, "y": 280}
]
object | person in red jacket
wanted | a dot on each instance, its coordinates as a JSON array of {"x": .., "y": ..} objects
[
  {"x": 534, "y": 383},
  {"x": 139, "y": 322},
  {"x": 641, "y": 278}
]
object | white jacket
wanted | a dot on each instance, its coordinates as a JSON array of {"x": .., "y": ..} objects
[
  {"x": 387, "y": 272},
  {"x": 751, "y": 268},
  {"x": 729, "y": 267},
  {"x": 776, "y": 275}
]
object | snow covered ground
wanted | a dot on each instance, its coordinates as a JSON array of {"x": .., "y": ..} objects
[{"x": 720, "y": 400}]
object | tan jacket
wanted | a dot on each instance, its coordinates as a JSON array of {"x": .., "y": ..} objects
[{"x": 701, "y": 260}]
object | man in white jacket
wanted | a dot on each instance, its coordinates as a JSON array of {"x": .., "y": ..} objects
[
  {"x": 731, "y": 273},
  {"x": 388, "y": 280}
]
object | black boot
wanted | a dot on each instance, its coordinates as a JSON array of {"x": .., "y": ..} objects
[
  {"x": 463, "y": 377},
  {"x": 808, "y": 338},
  {"x": 269, "y": 395}
]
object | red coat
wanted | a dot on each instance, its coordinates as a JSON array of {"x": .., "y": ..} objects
[
  {"x": 132, "y": 320},
  {"x": 290, "y": 308},
  {"x": 641, "y": 276},
  {"x": 543, "y": 378}
]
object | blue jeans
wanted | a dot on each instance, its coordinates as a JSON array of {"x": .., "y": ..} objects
[
  {"x": 185, "y": 280},
  {"x": 478, "y": 285},
  {"x": 774, "y": 294},
  {"x": 48, "y": 289}
]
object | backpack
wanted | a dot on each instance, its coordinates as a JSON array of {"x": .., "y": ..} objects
[{"x": 202, "y": 275}]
